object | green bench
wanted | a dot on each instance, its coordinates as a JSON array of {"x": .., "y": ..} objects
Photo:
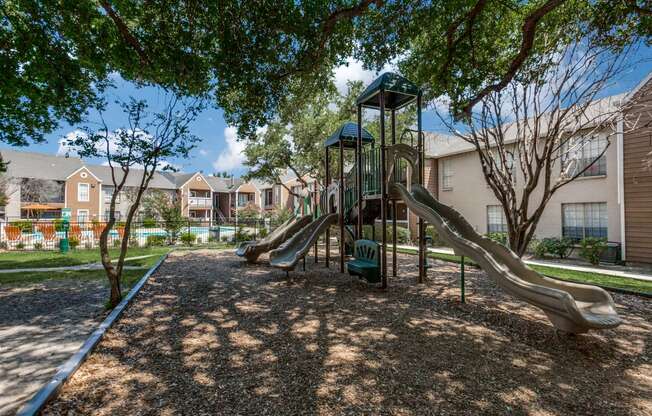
[{"x": 366, "y": 262}]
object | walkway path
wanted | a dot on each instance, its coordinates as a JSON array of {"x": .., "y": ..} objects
[
  {"x": 41, "y": 326},
  {"x": 549, "y": 263},
  {"x": 88, "y": 266}
]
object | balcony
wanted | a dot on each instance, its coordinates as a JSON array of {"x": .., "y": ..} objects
[{"x": 200, "y": 202}]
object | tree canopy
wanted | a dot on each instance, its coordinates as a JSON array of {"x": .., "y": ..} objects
[{"x": 56, "y": 57}]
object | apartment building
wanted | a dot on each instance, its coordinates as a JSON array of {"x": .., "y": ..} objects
[
  {"x": 612, "y": 199},
  {"x": 42, "y": 185}
]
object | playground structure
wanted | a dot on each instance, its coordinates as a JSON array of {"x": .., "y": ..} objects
[
  {"x": 381, "y": 176},
  {"x": 251, "y": 250}
]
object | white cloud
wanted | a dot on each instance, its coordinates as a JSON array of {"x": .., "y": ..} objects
[
  {"x": 203, "y": 152},
  {"x": 353, "y": 71},
  {"x": 232, "y": 156},
  {"x": 64, "y": 148}
]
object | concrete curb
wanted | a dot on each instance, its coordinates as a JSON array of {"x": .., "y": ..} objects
[{"x": 50, "y": 390}]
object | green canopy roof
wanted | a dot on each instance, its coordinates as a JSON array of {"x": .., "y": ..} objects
[
  {"x": 399, "y": 92},
  {"x": 348, "y": 134}
]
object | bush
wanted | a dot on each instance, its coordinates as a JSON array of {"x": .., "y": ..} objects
[
  {"x": 155, "y": 240},
  {"x": 88, "y": 245},
  {"x": 560, "y": 247},
  {"x": 24, "y": 226},
  {"x": 38, "y": 246},
  {"x": 242, "y": 235},
  {"x": 149, "y": 223},
  {"x": 117, "y": 242},
  {"x": 188, "y": 238},
  {"x": 591, "y": 249},
  {"x": 431, "y": 232},
  {"x": 3, "y": 245},
  {"x": 262, "y": 233},
  {"x": 58, "y": 224},
  {"x": 73, "y": 241},
  {"x": 498, "y": 237},
  {"x": 20, "y": 245},
  {"x": 225, "y": 238}
]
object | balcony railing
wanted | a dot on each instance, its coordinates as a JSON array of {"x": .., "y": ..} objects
[{"x": 197, "y": 202}]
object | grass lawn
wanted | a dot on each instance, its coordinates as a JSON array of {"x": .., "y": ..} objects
[
  {"x": 129, "y": 277},
  {"x": 603, "y": 280},
  {"x": 33, "y": 259}
]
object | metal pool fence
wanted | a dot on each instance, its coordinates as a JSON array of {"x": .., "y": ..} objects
[{"x": 22, "y": 234}]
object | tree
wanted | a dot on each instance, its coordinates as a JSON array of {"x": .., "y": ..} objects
[
  {"x": 534, "y": 137},
  {"x": 57, "y": 57},
  {"x": 161, "y": 205},
  {"x": 41, "y": 190},
  {"x": 137, "y": 149}
]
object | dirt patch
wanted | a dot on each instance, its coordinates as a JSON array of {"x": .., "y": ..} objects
[{"x": 211, "y": 335}]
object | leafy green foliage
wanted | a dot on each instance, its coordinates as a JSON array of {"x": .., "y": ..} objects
[
  {"x": 25, "y": 226},
  {"x": 280, "y": 214},
  {"x": 498, "y": 237},
  {"x": 591, "y": 248},
  {"x": 73, "y": 241},
  {"x": 188, "y": 238},
  {"x": 155, "y": 240},
  {"x": 149, "y": 222},
  {"x": 58, "y": 57},
  {"x": 560, "y": 247}
]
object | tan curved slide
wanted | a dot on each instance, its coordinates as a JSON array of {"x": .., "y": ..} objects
[
  {"x": 289, "y": 253},
  {"x": 251, "y": 250},
  {"x": 571, "y": 307}
]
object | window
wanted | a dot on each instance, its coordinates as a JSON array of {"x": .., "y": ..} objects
[
  {"x": 584, "y": 220},
  {"x": 244, "y": 199},
  {"x": 108, "y": 194},
  {"x": 581, "y": 152},
  {"x": 269, "y": 197},
  {"x": 83, "y": 194},
  {"x": 82, "y": 215},
  {"x": 446, "y": 174},
  {"x": 496, "y": 222}
]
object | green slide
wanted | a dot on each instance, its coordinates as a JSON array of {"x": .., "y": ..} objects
[
  {"x": 251, "y": 250},
  {"x": 289, "y": 253}
]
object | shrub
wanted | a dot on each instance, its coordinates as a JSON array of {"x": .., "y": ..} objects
[
  {"x": 591, "y": 249},
  {"x": 3, "y": 245},
  {"x": 560, "y": 247},
  {"x": 73, "y": 241},
  {"x": 242, "y": 235},
  {"x": 188, "y": 238},
  {"x": 24, "y": 226},
  {"x": 58, "y": 224},
  {"x": 262, "y": 233},
  {"x": 537, "y": 247},
  {"x": 402, "y": 234},
  {"x": 117, "y": 242},
  {"x": 498, "y": 237},
  {"x": 88, "y": 245},
  {"x": 155, "y": 240},
  {"x": 20, "y": 245},
  {"x": 38, "y": 246},
  {"x": 431, "y": 232},
  {"x": 149, "y": 223},
  {"x": 133, "y": 241},
  {"x": 225, "y": 238}
]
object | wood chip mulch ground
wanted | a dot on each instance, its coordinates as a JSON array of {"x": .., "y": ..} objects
[{"x": 210, "y": 335}]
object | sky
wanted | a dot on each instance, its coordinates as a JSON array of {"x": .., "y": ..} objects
[{"x": 219, "y": 149}]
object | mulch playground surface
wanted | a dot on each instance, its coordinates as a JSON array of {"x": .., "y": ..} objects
[{"x": 209, "y": 334}]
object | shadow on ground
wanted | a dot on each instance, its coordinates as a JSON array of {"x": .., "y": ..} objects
[
  {"x": 41, "y": 326},
  {"x": 211, "y": 335}
]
